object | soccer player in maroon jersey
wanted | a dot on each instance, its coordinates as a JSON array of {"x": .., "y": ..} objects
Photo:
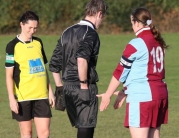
[{"x": 141, "y": 71}]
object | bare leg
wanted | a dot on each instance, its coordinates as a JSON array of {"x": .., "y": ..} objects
[
  {"x": 139, "y": 132},
  {"x": 26, "y": 129},
  {"x": 154, "y": 132},
  {"x": 42, "y": 127}
]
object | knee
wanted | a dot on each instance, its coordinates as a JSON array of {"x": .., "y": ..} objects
[
  {"x": 44, "y": 134},
  {"x": 27, "y": 134}
]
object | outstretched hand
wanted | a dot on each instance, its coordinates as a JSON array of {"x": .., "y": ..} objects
[
  {"x": 105, "y": 100},
  {"x": 121, "y": 96}
]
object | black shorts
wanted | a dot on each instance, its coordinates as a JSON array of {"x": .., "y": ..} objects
[
  {"x": 30, "y": 109},
  {"x": 81, "y": 113}
]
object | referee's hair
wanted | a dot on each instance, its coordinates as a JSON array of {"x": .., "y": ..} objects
[
  {"x": 29, "y": 15},
  {"x": 94, "y": 6}
]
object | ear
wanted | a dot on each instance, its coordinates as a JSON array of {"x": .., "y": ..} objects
[
  {"x": 21, "y": 24},
  {"x": 99, "y": 14}
]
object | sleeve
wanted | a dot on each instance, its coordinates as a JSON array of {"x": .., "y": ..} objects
[
  {"x": 43, "y": 54},
  {"x": 55, "y": 64},
  {"x": 86, "y": 45},
  {"x": 10, "y": 62},
  {"x": 124, "y": 66}
]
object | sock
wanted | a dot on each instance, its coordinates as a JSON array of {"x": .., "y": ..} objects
[{"x": 85, "y": 133}]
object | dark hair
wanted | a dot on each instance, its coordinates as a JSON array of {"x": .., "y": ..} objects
[
  {"x": 142, "y": 15},
  {"x": 29, "y": 15},
  {"x": 94, "y": 6}
]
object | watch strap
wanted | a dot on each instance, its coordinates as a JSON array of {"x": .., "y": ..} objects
[{"x": 85, "y": 81}]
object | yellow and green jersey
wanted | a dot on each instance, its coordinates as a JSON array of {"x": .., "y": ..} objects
[{"x": 28, "y": 60}]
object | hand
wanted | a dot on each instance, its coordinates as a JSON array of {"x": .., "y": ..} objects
[
  {"x": 104, "y": 101},
  {"x": 121, "y": 96},
  {"x": 14, "y": 105},
  {"x": 51, "y": 99}
]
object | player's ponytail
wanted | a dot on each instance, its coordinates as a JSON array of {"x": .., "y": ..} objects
[{"x": 158, "y": 36}]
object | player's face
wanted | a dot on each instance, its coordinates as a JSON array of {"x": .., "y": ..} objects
[{"x": 28, "y": 29}]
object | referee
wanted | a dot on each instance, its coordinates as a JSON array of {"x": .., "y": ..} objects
[{"x": 76, "y": 56}]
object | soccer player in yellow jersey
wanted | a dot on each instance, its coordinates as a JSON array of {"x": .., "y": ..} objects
[{"x": 29, "y": 90}]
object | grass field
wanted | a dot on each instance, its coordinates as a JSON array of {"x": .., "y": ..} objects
[{"x": 110, "y": 121}]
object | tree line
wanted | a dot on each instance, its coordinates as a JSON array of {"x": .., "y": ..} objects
[{"x": 56, "y": 15}]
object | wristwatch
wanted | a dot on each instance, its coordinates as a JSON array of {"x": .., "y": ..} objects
[{"x": 85, "y": 81}]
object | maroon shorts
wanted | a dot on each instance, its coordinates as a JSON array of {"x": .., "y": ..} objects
[{"x": 147, "y": 114}]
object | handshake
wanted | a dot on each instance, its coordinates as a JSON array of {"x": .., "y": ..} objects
[{"x": 59, "y": 99}]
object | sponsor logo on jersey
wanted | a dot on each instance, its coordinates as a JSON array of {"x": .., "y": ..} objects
[
  {"x": 9, "y": 58},
  {"x": 30, "y": 46},
  {"x": 36, "y": 66}
]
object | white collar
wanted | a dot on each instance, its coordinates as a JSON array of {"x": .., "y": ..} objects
[
  {"x": 22, "y": 40},
  {"x": 82, "y": 22},
  {"x": 141, "y": 30}
]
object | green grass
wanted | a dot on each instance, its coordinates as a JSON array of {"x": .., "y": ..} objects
[{"x": 110, "y": 121}]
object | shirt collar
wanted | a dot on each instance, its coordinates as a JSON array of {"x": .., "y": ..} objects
[
  {"x": 87, "y": 22},
  {"x": 25, "y": 42},
  {"x": 141, "y": 30}
]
